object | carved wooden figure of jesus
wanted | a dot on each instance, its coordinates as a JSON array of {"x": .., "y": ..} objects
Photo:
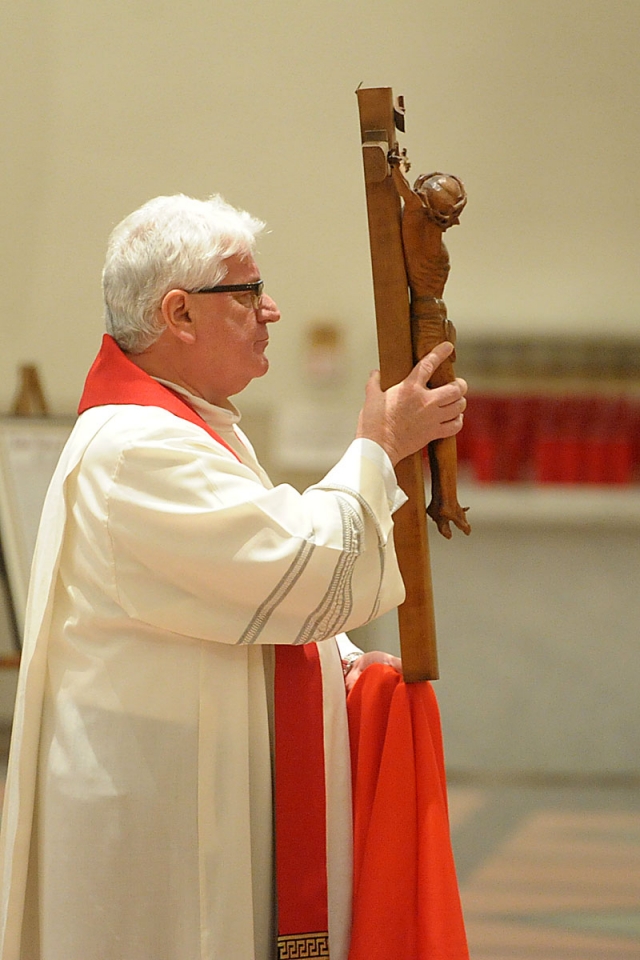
[{"x": 432, "y": 206}]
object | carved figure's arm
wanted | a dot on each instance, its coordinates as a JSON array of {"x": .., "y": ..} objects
[{"x": 410, "y": 197}]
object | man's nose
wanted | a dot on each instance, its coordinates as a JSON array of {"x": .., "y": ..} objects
[{"x": 269, "y": 312}]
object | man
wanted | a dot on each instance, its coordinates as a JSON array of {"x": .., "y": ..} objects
[{"x": 169, "y": 575}]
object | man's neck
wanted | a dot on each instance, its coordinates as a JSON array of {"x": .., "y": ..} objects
[{"x": 164, "y": 365}]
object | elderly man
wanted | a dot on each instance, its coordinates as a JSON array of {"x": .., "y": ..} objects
[{"x": 170, "y": 581}]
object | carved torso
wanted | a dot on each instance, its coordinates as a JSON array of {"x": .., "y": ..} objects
[{"x": 426, "y": 256}]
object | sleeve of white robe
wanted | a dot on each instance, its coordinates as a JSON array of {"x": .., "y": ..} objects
[{"x": 199, "y": 546}]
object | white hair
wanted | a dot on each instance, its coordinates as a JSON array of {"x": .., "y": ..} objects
[{"x": 168, "y": 242}]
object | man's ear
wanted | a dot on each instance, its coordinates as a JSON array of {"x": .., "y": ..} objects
[{"x": 175, "y": 312}]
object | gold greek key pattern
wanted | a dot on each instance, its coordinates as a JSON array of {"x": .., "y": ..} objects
[{"x": 301, "y": 946}]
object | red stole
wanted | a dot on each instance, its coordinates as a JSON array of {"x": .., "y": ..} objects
[
  {"x": 301, "y": 826},
  {"x": 300, "y": 799}
]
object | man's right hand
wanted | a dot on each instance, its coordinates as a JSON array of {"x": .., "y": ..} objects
[{"x": 408, "y": 416}]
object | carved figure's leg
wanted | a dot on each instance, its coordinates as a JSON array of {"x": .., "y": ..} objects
[
  {"x": 430, "y": 327},
  {"x": 444, "y": 508}
]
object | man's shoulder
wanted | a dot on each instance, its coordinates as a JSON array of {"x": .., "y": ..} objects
[
  {"x": 115, "y": 428},
  {"x": 126, "y": 419}
]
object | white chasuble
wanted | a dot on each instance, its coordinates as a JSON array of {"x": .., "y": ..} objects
[{"x": 138, "y": 815}]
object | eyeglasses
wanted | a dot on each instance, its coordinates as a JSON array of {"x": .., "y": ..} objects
[{"x": 255, "y": 289}]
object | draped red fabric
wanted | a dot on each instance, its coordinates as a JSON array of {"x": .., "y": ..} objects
[
  {"x": 406, "y": 904},
  {"x": 300, "y": 798}
]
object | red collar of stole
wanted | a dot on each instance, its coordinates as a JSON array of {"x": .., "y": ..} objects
[
  {"x": 300, "y": 798},
  {"x": 113, "y": 378}
]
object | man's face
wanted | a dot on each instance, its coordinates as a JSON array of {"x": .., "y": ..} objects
[{"x": 231, "y": 335}]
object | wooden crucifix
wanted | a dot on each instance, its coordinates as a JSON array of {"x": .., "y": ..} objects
[{"x": 410, "y": 266}]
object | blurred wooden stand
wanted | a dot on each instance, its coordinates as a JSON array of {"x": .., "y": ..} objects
[{"x": 29, "y": 401}]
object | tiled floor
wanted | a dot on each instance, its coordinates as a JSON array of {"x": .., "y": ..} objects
[{"x": 548, "y": 871}]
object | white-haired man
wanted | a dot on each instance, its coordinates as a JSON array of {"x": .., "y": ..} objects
[{"x": 170, "y": 580}]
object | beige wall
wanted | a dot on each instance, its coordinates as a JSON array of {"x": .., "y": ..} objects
[
  {"x": 534, "y": 103},
  {"x": 106, "y": 104}
]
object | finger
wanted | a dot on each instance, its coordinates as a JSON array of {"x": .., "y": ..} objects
[
  {"x": 372, "y": 386},
  {"x": 454, "y": 418},
  {"x": 459, "y": 406},
  {"x": 449, "y": 393},
  {"x": 451, "y": 399},
  {"x": 396, "y": 663},
  {"x": 453, "y": 415},
  {"x": 425, "y": 367}
]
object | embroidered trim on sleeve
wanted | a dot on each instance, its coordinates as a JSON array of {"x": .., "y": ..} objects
[
  {"x": 277, "y": 595},
  {"x": 333, "y": 610}
]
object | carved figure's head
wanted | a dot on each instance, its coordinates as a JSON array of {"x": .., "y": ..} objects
[{"x": 443, "y": 196}]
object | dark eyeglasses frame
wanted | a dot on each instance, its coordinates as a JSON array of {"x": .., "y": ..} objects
[{"x": 256, "y": 287}]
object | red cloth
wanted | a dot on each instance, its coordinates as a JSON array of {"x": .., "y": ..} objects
[{"x": 406, "y": 904}]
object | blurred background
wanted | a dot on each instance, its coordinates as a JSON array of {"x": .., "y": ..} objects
[{"x": 534, "y": 104}]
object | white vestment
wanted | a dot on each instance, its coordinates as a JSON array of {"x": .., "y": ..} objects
[{"x": 137, "y": 821}]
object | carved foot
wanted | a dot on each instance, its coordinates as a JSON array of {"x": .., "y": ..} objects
[{"x": 444, "y": 515}]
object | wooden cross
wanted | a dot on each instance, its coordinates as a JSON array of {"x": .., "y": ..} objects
[{"x": 398, "y": 351}]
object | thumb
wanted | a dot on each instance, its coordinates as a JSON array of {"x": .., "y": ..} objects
[{"x": 373, "y": 383}]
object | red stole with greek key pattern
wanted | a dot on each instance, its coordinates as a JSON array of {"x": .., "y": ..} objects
[{"x": 301, "y": 827}]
